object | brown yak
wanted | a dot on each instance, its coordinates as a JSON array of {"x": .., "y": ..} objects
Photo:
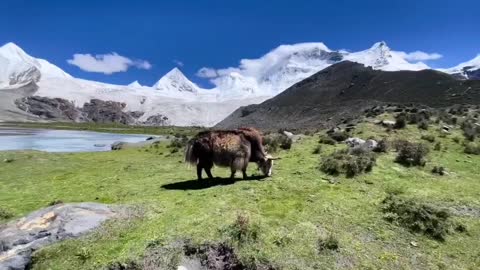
[{"x": 228, "y": 148}]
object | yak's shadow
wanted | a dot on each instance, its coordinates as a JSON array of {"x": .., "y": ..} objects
[{"x": 208, "y": 183}]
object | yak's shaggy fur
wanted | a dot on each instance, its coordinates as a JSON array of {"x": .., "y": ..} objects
[{"x": 227, "y": 148}]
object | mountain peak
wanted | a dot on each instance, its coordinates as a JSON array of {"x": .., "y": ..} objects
[
  {"x": 175, "y": 81},
  {"x": 382, "y": 45},
  {"x": 135, "y": 84}
]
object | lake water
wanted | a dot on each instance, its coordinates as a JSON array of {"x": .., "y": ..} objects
[{"x": 61, "y": 140}]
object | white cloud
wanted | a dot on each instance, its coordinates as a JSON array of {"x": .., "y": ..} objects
[
  {"x": 178, "y": 63},
  {"x": 206, "y": 72},
  {"x": 106, "y": 63},
  {"x": 419, "y": 56}
]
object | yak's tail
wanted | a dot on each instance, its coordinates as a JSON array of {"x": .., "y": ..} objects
[{"x": 190, "y": 157}]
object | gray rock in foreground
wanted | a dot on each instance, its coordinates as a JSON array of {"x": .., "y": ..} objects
[{"x": 20, "y": 238}]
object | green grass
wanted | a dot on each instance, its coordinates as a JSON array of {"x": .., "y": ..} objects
[{"x": 291, "y": 211}]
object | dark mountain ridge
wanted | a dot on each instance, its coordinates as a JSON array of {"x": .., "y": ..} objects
[{"x": 344, "y": 90}]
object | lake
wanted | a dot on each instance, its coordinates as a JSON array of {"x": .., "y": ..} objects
[{"x": 61, "y": 140}]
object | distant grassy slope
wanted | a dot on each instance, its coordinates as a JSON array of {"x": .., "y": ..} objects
[{"x": 293, "y": 209}]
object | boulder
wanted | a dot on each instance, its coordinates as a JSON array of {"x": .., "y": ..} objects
[
  {"x": 353, "y": 142},
  {"x": 20, "y": 238}
]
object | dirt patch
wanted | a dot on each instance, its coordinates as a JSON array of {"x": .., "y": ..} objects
[{"x": 188, "y": 256}]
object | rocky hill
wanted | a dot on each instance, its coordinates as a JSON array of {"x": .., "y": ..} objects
[{"x": 341, "y": 91}]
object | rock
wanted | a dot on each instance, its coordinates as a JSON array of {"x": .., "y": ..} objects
[
  {"x": 388, "y": 123},
  {"x": 50, "y": 108},
  {"x": 136, "y": 114},
  {"x": 117, "y": 145},
  {"x": 157, "y": 120},
  {"x": 352, "y": 142},
  {"x": 288, "y": 134},
  {"x": 371, "y": 144},
  {"x": 100, "y": 111},
  {"x": 20, "y": 238}
]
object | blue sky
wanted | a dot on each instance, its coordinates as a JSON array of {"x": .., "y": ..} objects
[{"x": 219, "y": 33}]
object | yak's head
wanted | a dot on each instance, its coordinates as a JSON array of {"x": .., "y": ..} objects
[{"x": 265, "y": 165}]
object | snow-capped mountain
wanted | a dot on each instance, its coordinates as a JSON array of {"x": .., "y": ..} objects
[
  {"x": 135, "y": 84},
  {"x": 184, "y": 102},
  {"x": 17, "y": 67},
  {"x": 466, "y": 70},
  {"x": 380, "y": 56},
  {"x": 289, "y": 64},
  {"x": 174, "y": 81}
]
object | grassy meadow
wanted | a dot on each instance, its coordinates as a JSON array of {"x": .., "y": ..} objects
[{"x": 300, "y": 218}]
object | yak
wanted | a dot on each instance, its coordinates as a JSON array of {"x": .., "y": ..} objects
[{"x": 228, "y": 148}]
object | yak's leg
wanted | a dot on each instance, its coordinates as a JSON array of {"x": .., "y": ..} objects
[
  {"x": 208, "y": 169},
  {"x": 232, "y": 175},
  {"x": 199, "y": 171},
  {"x": 244, "y": 173}
]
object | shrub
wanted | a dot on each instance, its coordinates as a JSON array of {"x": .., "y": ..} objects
[
  {"x": 382, "y": 146},
  {"x": 438, "y": 146},
  {"x": 179, "y": 141},
  {"x": 428, "y": 138},
  {"x": 472, "y": 148},
  {"x": 317, "y": 149},
  {"x": 5, "y": 213},
  {"x": 274, "y": 141},
  {"x": 351, "y": 163},
  {"x": 417, "y": 217},
  {"x": 242, "y": 230},
  {"x": 412, "y": 154},
  {"x": 456, "y": 139},
  {"x": 400, "y": 121},
  {"x": 355, "y": 165},
  {"x": 331, "y": 165},
  {"x": 423, "y": 124},
  {"x": 339, "y": 136},
  {"x": 440, "y": 170},
  {"x": 327, "y": 140},
  {"x": 328, "y": 243}
]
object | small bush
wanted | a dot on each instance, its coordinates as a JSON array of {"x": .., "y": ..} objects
[
  {"x": 382, "y": 146},
  {"x": 275, "y": 141},
  {"x": 456, "y": 139},
  {"x": 351, "y": 163},
  {"x": 417, "y": 217},
  {"x": 423, "y": 124},
  {"x": 428, "y": 138},
  {"x": 328, "y": 243},
  {"x": 178, "y": 142},
  {"x": 331, "y": 165},
  {"x": 438, "y": 146},
  {"x": 412, "y": 154},
  {"x": 400, "y": 121},
  {"x": 317, "y": 150},
  {"x": 472, "y": 149},
  {"x": 327, "y": 140},
  {"x": 5, "y": 213},
  {"x": 242, "y": 230},
  {"x": 470, "y": 128},
  {"x": 339, "y": 136},
  {"x": 438, "y": 170}
]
